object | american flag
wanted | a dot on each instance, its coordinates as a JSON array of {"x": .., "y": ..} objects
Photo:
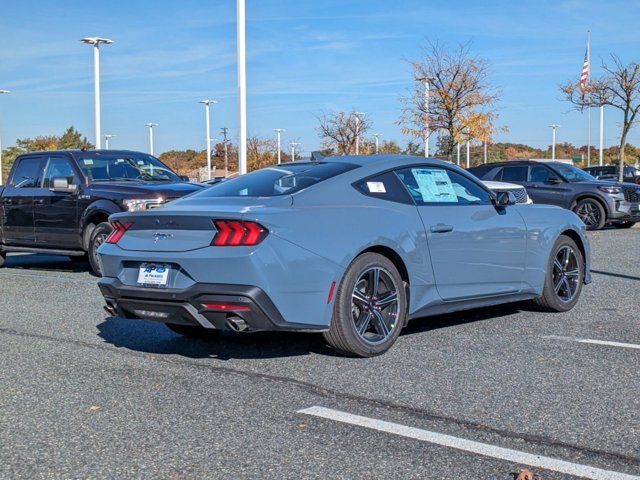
[{"x": 584, "y": 76}]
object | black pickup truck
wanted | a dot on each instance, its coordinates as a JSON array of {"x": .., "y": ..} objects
[{"x": 59, "y": 202}]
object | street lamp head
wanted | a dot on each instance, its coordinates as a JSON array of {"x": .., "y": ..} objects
[
  {"x": 208, "y": 102},
  {"x": 151, "y": 124},
  {"x": 96, "y": 40},
  {"x": 377, "y": 135},
  {"x": 279, "y": 130},
  {"x": 4, "y": 91}
]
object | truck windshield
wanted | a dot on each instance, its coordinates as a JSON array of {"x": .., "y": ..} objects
[
  {"x": 572, "y": 174},
  {"x": 106, "y": 167}
]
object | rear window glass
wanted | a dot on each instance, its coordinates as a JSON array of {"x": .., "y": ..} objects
[
  {"x": 514, "y": 174},
  {"x": 277, "y": 180}
]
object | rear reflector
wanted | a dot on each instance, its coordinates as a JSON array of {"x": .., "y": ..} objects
[
  {"x": 331, "y": 290},
  {"x": 234, "y": 233},
  {"x": 233, "y": 307},
  {"x": 119, "y": 229}
]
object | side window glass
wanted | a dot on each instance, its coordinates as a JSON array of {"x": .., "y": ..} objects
[
  {"x": 58, "y": 168},
  {"x": 514, "y": 174},
  {"x": 386, "y": 186},
  {"x": 539, "y": 174},
  {"x": 27, "y": 174},
  {"x": 434, "y": 186}
]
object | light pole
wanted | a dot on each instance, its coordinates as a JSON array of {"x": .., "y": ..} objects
[
  {"x": 151, "y": 125},
  {"x": 357, "y": 115},
  {"x": 1, "y": 92},
  {"x": 224, "y": 131},
  {"x": 293, "y": 150},
  {"x": 242, "y": 88},
  {"x": 278, "y": 132},
  {"x": 553, "y": 126},
  {"x": 106, "y": 140},
  {"x": 96, "y": 41},
  {"x": 601, "y": 153},
  {"x": 208, "y": 133},
  {"x": 427, "y": 84},
  {"x": 377, "y": 136},
  {"x": 458, "y": 157},
  {"x": 468, "y": 152},
  {"x": 485, "y": 151}
]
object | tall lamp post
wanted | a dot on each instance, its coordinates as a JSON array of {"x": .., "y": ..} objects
[
  {"x": 151, "y": 125},
  {"x": 377, "y": 137},
  {"x": 224, "y": 131},
  {"x": 242, "y": 88},
  {"x": 106, "y": 140},
  {"x": 357, "y": 115},
  {"x": 427, "y": 84},
  {"x": 554, "y": 127},
  {"x": 293, "y": 150},
  {"x": 1, "y": 92},
  {"x": 278, "y": 133},
  {"x": 207, "y": 103},
  {"x": 96, "y": 41}
]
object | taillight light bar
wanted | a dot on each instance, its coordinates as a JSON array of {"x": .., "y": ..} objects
[
  {"x": 119, "y": 229},
  {"x": 238, "y": 233},
  {"x": 224, "y": 306}
]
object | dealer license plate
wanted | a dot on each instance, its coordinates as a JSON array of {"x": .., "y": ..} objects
[{"x": 153, "y": 274}]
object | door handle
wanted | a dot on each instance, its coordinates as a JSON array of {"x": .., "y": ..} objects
[
  {"x": 7, "y": 202},
  {"x": 441, "y": 228}
]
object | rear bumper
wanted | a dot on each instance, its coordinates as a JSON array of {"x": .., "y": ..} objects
[{"x": 187, "y": 306}]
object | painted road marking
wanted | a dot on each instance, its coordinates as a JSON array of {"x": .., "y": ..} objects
[
  {"x": 595, "y": 342},
  {"x": 513, "y": 456}
]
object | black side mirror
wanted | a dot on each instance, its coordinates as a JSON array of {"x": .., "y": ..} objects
[
  {"x": 184, "y": 178},
  {"x": 555, "y": 180},
  {"x": 504, "y": 199},
  {"x": 62, "y": 185}
]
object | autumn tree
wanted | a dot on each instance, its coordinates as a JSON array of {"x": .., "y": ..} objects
[
  {"x": 339, "y": 130},
  {"x": 462, "y": 102},
  {"x": 619, "y": 87}
]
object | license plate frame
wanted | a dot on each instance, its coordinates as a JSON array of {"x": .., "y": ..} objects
[{"x": 151, "y": 274}]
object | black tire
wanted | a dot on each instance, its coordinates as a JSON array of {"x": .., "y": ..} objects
[
  {"x": 192, "y": 331},
  {"x": 592, "y": 213},
  {"x": 365, "y": 307},
  {"x": 623, "y": 224},
  {"x": 551, "y": 299},
  {"x": 78, "y": 258},
  {"x": 3, "y": 257},
  {"x": 98, "y": 236}
]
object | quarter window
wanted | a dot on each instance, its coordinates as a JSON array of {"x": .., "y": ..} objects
[
  {"x": 438, "y": 186},
  {"x": 58, "y": 168},
  {"x": 386, "y": 186},
  {"x": 27, "y": 173},
  {"x": 514, "y": 174}
]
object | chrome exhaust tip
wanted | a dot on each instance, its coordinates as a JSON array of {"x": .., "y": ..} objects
[
  {"x": 237, "y": 324},
  {"x": 110, "y": 310}
]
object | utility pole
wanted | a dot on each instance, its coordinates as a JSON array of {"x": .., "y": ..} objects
[
  {"x": 106, "y": 140},
  {"x": 207, "y": 103},
  {"x": 357, "y": 115},
  {"x": 226, "y": 153},
  {"x": 278, "y": 132},
  {"x": 151, "y": 125},
  {"x": 96, "y": 41},
  {"x": 293, "y": 150},
  {"x": 553, "y": 126},
  {"x": 242, "y": 88},
  {"x": 1, "y": 92},
  {"x": 377, "y": 137}
]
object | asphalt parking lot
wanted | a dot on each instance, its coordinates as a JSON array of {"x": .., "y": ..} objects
[{"x": 471, "y": 395}]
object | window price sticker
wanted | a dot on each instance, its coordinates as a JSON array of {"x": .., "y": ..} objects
[{"x": 376, "y": 187}]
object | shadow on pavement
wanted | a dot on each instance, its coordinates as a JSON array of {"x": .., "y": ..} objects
[{"x": 50, "y": 263}]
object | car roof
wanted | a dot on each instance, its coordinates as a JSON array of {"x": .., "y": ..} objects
[
  {"x": 78, "y": 151},
  {"x": 388, "y": 160}
]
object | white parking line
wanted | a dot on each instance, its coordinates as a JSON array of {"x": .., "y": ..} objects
[
  {"x": 514, "y": 456},
  {"x": 595, "y": 342}
]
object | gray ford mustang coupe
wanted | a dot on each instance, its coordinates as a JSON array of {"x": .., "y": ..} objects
[{"x": 353, "y": 247}]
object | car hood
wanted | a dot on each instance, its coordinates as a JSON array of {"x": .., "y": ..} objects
[{"x": 144, "y": 189}]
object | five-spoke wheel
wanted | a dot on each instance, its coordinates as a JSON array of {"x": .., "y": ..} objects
[{"x": 564, "y": 276}]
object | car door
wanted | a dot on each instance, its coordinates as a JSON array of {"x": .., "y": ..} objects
[
  {"x": 544, "y": 185},
  {"x": 477, "y": 250},
  {"x": 56, "y": 212},
  {"x": 17, "y": 201}
]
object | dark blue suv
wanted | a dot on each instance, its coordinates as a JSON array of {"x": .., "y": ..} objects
[{"x": 596, "y": 202}]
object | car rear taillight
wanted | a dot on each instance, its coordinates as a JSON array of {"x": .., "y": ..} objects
[
  {"x": 234, "y": 233},
  {"x": 224, "y": 306},
  {"x": 119, "y": 229}
]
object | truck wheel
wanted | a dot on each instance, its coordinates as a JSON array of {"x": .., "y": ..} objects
[
  {"x": 592, "y": 213},
  {"x": 98, "y": 236}
]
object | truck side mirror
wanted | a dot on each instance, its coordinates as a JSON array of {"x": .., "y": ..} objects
[
  {"x": 555, "y": 180},
  {"x": 62, "y": 184}
]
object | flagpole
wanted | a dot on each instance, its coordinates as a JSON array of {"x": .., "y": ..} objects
[
  {"x": 589, "y": 108},
  {"x": 601, "y": 155}
]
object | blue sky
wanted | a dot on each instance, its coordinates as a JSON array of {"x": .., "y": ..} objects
[{"x": 303, "y": 58}]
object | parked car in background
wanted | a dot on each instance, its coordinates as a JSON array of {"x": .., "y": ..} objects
[
  {"x": 596, "y": 202},
  {"x": 610, "y": 172},
  {"x": 518, "y": 190},
  {"x": 352, "y": 247},
  {"x": 59, "y": 202}
]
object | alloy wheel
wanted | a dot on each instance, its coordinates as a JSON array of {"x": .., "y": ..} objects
[
  {"x": 566, "y": 273},
  {"x": 375, "y": 305},
  {"x": 589, "y": 213}
]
